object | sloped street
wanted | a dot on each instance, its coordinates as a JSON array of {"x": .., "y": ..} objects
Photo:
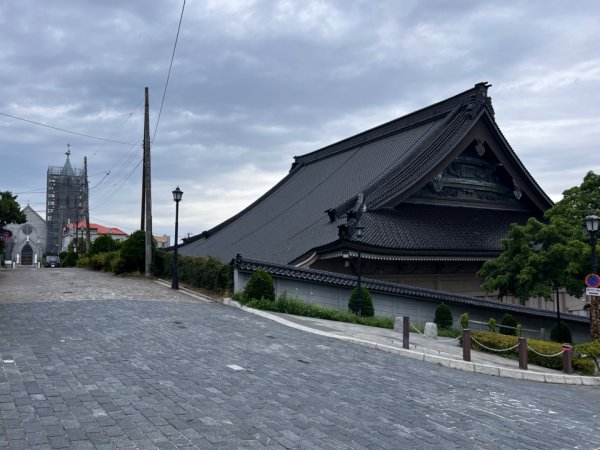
[{"x": 90, "y": 360}]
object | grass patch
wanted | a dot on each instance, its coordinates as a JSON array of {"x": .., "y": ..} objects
[{"x": 300, "y": 308}]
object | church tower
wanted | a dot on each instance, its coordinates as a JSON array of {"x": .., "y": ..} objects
[{"x": 65, "y": 197}]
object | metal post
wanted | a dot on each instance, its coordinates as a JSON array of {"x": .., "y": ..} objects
[
  {"x": 594, "y": 261},
  {"x": 175, "y": 282},
  {"x": 466, "y": 344},
  {"x": 567, "y": 359},
  {"x": 523, "y": 353},
  {"x": 405, "y": 331},
  {"x": 359, "y": 299},
  {"x": 560, "y": 331}
]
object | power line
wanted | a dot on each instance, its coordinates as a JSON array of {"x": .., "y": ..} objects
[
  {"x": 65, "y": 131},
  {"x": 169, "y": 74}
]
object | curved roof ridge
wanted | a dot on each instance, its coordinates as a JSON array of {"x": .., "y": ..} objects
[{"x": 411, "y": 120}]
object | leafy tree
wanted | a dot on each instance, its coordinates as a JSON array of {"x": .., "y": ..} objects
[
  {"x": 541, "y": 257},
  {"x": 10, "y": 211},
  {"x": 102, "y": 244}
]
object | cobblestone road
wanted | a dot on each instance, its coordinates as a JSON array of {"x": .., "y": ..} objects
[{"x": 116, "y": 372}]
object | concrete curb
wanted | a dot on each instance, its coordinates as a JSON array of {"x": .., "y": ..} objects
[
  {"x": 186, "y": 291},
  {"x": 516, "y": 374}
]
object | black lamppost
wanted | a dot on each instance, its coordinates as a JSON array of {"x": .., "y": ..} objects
[
  {"x": 592, "y": 222},
  {"x": 177, "y": 194},
  {"x": 359, "y": 235}
]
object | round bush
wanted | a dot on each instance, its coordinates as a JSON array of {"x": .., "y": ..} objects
[
  {"x": 443, "y": 316},
  {"x": 366, "y": 302},
  {"x": 562, "y": 335},
  {"x": 260, "y": 286},
  {"x": 508, "y": 321}
]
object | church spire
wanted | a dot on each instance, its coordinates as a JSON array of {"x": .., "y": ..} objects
[{"x": 67, "y": 169}]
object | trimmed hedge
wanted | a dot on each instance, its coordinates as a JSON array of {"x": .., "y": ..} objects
[
  {"x": 207, "y": 273},
  {"x": 299, "y": 308},
  {"x": 501, "y": 341}
]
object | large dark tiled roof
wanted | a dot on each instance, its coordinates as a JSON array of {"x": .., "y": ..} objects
[{"x": 291, "y": 220}]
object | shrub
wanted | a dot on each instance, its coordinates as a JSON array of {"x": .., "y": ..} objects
[
  {"x": 508, "y": 321},
  {"x": 443, "y": 316},
  {"x": 560, "y": 335},
  {"x": 501, "y": 341},
  {"x": 103, "y": 244},
  {"x": 519, "y": 330},
  {"x": 464, "y": 320},
  {"x": 366, "y": 302},
  {"x": 132, "y": 254},
  {"x": 260, "y": 286},
  {"x": 589, "y": 350},
  {"x": 68, "y": 258},
  {"x": 300, "y": 308},
  {"x": 492, "y": 325}
]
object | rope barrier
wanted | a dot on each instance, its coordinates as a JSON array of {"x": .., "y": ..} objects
[
  {"x": 494, "y": 349},
  {"x": 425, "y": 336},
  {"x": 546, "y": 356}
]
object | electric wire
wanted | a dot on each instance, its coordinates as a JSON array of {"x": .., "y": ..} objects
[
  {"x": 65, "y": 131},
  {"x": 169, "y": 73}
]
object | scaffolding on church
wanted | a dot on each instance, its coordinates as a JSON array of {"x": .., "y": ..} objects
[{"x": 66, "y": 201}]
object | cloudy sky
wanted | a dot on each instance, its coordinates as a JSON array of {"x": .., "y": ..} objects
[{"x": 255, "y": 82}]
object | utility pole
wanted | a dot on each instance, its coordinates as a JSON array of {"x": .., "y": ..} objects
[
  {"x": 86, "y": 205},
  {"x": 143, "y": 219},
  {"x": 147, "y": 186}
]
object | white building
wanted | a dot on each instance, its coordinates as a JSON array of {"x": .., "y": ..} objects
[{"x": 27, "y": 244}]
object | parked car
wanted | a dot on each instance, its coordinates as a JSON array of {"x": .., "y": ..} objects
[{"x": 52, "y": 261}]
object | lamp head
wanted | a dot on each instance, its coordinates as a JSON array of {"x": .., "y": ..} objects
[
  {"x": 592, "y": 222},
  {"x": 177, "y": 194}
]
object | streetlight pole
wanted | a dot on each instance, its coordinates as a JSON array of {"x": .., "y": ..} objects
[
  {"x": 177, "y": 194},
  {"x": 592, "y": 223},
  {"x": 359, "y": 235}
]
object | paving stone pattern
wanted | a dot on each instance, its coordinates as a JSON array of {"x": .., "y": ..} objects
[{"x": 188, "y": 374}]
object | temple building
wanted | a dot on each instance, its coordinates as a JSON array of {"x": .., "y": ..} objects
[{"x": 426, "y": 198}]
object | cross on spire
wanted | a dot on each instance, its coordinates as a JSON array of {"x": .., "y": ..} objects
[{"x": 68, "y": 152}]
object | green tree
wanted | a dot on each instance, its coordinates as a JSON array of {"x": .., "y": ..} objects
[
  {"x": 539, "y": 258},
  {"x": 10, "y": 211}
]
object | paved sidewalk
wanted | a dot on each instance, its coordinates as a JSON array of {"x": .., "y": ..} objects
[{"x": 443, "y": 351}]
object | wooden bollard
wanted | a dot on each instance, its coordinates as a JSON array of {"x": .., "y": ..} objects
[
  {"x": 567, "y": 358},
  {"x": 405, "y": 331},
  {"x": 466, "y": 344},
  {"x": 522, "y": 353}
]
